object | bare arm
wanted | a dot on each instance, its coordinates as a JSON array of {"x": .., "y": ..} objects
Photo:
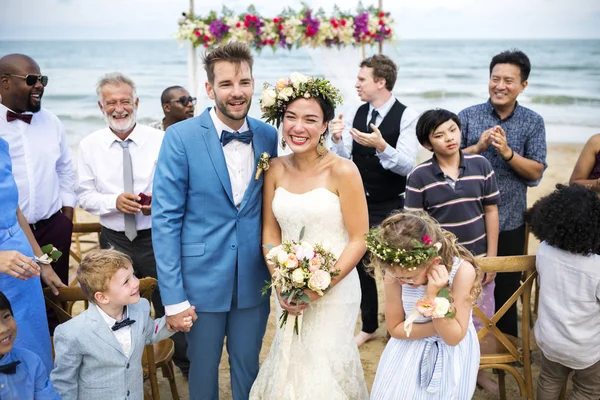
[
  {"x": 394, "y": 314},
  {"x": 271, "y": 233},
  {"x": 453, "y": 330},
  {"x": 47, "y": 273},
  {"x": 492, "y": 231},
  {"x": 356, "y": 218},
  {"x": 585, "y": 164}
]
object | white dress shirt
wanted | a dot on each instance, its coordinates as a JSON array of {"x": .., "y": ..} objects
[
  {"x": 122, "y": 335},
  {"x": 41, "y": 162},
  {"x": 99, "y": 178},
  {"x": 400, "y": 159},
  {"x": 240, "y": 165},
  {"x": 569, "y": 310},
  {"x": 239, "y": 158}
]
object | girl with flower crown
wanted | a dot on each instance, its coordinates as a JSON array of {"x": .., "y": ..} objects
[
  {"x": 319, "y": 194},
  {"x": 431, "y": 284}
]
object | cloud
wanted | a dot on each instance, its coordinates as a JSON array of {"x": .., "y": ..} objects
[{"x": 153, "y": 19}]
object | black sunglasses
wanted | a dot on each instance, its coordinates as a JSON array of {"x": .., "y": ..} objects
[
  {"x": 184, "y": 100},
  {"x": 31, "y": 80}
]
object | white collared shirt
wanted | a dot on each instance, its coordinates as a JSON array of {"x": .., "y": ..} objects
[
  {"x": 122, "y": 335},
  {"x": 240, "y": 165},
  {"x": 401, "y": 159},
  {"x": 239, "y": 158},
  {"x": 99, "y": 179},
  {"x": 41, "y": 163}
]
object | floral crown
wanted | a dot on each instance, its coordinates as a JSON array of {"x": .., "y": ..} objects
[
  {"x": 408, "y": 259},
  {"x": 274, "y": 99}
]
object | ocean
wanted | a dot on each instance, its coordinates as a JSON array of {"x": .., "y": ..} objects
[{"x": 564, "y": 85}]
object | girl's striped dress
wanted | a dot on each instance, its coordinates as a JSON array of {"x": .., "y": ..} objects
[{"x": 427, "y": 368}]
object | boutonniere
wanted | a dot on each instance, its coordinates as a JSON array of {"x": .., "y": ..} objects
[
  {"x": 51, "y": 254},
  {"x": 263, "y": 164}
]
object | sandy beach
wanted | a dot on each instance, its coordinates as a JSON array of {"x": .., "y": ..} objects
[{"x": 561, "y": 159}]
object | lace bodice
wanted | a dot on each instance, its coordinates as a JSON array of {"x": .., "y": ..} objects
[{"x": 318, "y": 211}]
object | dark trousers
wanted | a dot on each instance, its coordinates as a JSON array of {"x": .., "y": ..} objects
[
  {"x": 144, "y": 265},
  {"x": 57, "y": 231},
  {"x": 510, "y": 243},
  {"x": 369, "y": 305}
]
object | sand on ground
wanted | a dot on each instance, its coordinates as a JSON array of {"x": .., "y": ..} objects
[{"x": 561, "y": 160}]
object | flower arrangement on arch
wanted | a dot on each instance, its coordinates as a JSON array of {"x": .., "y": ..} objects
[
  {"x": 288, "y": 29},
  {"x": 299, "y": 265},
  {"x": 274, "y": 99}
]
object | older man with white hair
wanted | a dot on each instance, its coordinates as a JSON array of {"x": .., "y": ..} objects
[{"x": 114, "y": 181}]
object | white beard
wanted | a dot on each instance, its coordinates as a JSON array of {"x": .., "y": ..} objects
[{"x": 121, "y": 125}]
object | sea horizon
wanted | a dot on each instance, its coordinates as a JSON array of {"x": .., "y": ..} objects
[{"x": 564, "y": 85}]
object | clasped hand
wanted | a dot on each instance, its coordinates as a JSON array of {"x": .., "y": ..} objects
[
  {"x": 294, "y": 308},
  {"x": 183, "y": 321}
]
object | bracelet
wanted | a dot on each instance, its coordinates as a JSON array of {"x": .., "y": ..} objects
[{"x": 512, "y": 154}]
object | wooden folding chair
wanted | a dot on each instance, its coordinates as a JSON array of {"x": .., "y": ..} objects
[{"x": 500, "y": 351}]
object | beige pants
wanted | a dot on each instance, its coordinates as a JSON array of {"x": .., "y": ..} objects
[{"x": 553, "y": 377}]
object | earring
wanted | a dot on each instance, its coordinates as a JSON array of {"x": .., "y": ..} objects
[
  {"x": 283, "y": 143},
  {"x": 321, "y": 149}
]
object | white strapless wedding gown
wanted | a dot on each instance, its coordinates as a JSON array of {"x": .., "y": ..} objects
[{"x": 324, "y": 362}]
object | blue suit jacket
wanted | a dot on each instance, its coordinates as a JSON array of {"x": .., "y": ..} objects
[{"x": 201, "y": 240}]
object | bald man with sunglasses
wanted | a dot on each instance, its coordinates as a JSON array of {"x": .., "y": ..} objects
[
  {"x": 177, "y": 105},
  {"x": 41, "y": 158}
]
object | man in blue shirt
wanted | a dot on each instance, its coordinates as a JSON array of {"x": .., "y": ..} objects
[{"x": 513, "y": 139}]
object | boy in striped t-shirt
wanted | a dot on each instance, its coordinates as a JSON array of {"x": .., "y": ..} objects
[{"x": 459, "y": 190}]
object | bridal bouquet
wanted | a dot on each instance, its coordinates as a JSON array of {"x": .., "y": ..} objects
[{"x": 299, "y": 265}]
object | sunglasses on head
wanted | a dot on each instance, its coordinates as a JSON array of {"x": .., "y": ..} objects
[
  {"x": 31, "y": 79},
  {"x": 184, "y": 100}
]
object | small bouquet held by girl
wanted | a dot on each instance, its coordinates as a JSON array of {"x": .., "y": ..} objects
[{"x": 299, "y": 266}]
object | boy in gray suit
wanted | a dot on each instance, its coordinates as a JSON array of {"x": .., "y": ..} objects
[{"x": 99, "y": 352}]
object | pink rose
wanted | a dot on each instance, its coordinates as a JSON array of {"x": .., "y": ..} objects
[
  {"x": 426, "y": 307},
  {"x": 292, "y": 262},
  {"x": 299, "y": 250},
  {"x": 319, "y": 281},
  {"x": 314, "y": 264}
]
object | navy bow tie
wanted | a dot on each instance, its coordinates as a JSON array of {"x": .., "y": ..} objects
[
  {"x": 9, "y": 368},
  {"x": 122, "y": 324},
  {"x": 244, "y": 137}
]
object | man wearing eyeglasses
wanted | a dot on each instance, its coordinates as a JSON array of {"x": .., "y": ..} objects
[
  {"x": 41, "y": 158},
  {"x": 177, "y": 104}
]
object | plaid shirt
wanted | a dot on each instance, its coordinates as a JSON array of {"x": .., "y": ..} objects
[{"x": 526, "y": 135}]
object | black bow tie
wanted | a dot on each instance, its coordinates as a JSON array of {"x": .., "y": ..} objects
[
  {"x": 11, "y": 116},
  {"x": 244, "y": 137},
  {"x": 122, "y": 324},
  {"x": 9, "y": 368}
]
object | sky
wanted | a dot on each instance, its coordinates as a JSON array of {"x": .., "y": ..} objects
[{"x": 414, "y": 19}]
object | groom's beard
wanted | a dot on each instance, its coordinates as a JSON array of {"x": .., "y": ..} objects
[{"x": 225, "y": 108}]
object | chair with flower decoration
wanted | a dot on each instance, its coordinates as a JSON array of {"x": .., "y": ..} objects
[{"x": 500, "y": 351}]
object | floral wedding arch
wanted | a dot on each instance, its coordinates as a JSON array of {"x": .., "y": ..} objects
[{"x": 288, "y": 29}]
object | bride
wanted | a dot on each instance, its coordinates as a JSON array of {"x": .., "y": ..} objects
[{"x": 317, "y": 190}]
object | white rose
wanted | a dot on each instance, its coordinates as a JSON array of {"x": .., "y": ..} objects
[
  {"x": 268, "y": 97},
  {"x": 273, "y": 253},
  {"x": 297, "y": 78},
  {"x": 319, "y": 281},
  {"x": 309, "y": 251},
  {"x": 442, "y": 305},
  {"x": 298, "y": 276},
  {"x": 282, "y": 257},
  {"x": 286, "y": 93}
]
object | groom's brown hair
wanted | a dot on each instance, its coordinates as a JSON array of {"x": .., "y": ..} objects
[{"x": 234, "y": 52}]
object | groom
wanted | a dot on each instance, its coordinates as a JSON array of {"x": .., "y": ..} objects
[{"x": 206, "y": 226}]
